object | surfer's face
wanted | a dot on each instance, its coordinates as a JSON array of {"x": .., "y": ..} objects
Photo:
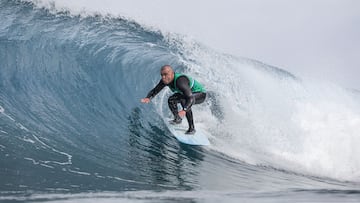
[{"x": 167, "y": 75}]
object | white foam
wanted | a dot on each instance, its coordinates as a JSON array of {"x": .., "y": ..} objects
[{"x": 271, "y": 118}]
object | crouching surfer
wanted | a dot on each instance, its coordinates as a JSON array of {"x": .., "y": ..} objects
[{"x": 187, "y": 92}]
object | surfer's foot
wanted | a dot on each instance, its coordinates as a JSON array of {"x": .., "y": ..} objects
[
  {"x": 190, "y": 131},
  {"x": 177, "y": 120}
]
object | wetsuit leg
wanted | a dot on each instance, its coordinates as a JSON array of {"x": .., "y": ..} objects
[
  {"x": 199, "y": 98},
  {"x": 173, "y": 101}
]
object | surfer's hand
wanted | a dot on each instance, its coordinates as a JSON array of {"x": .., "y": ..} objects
[
  {"x": 182, "y": 113},
  {"x": 145, "y": 100}
]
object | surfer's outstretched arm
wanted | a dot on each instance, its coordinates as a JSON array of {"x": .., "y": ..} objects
[{"x": 153, "y": 92}]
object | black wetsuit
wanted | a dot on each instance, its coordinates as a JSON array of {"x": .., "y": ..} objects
[{"x": 185, "y": 97}]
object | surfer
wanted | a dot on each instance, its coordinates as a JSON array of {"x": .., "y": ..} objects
[{"x": 187, "y": 92}]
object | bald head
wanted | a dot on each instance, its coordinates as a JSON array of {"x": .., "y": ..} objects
[
  {"x": 167, "y": 74},
  {"x": 166, "y": 67}
]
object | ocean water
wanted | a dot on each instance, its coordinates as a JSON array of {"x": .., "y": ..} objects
[{"x": 72, "y": 128}]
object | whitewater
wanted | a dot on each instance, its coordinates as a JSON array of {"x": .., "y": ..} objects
[{"x": 72, "y": 128}]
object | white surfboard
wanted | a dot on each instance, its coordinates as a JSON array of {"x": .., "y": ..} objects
[{"x": 199, "y": 138}]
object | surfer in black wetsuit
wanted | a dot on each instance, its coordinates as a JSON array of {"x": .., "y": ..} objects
[{"x": 187, "y": 92}]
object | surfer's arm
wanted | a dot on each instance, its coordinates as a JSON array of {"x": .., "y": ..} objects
[
  {"x": 183, "y": 85},
  {"x": 155, "y": 90}
]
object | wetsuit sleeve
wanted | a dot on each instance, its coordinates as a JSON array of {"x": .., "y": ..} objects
[
  {"x": 182, "y": 83},
  {"x": 156, "y": 90}
]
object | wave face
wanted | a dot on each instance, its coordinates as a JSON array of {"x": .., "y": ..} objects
[{"x": 71, "y": 121}]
